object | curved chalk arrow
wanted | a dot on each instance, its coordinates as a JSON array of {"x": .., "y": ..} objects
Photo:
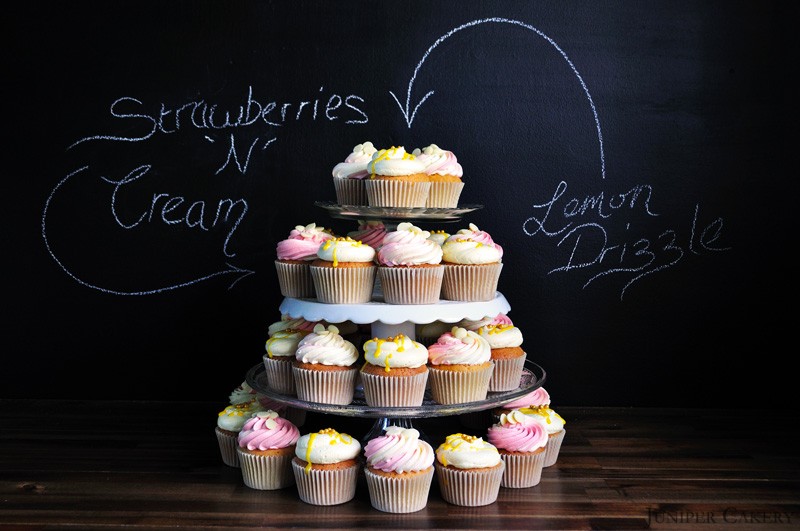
[
  {"x": 409, "y": 114},
  {"x": 242, "y": 273}
]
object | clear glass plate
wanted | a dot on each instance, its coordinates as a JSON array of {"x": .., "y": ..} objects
[{"x": 357, "y": 212}]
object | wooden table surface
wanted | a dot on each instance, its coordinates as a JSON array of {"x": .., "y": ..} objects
[{"x": 156, "y": 465}]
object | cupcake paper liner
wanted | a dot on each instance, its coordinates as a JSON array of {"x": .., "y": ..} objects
[
  {"x": 295, "y": 279},
  {"x": 350, "y": 191},
  {"x": 401, "y": 494},
  {"x": 325, "y": 487},
  {"x": 266, "y": 472},
  {"x": 411, "y": 285},
  {"x": 394, "y": 391},
  {"x": 279, "y": 375},
  {"x": 227, "y": 447},
  {"x": 343, "y": 285},
  {"x": 397, "y": 193},
  {"x": 326, "y": 387},
  {"x": 522, "y": 470},
  {"x": 470, "y": 282},
  {"x": 469, "y": 487},
  {"x": 444, "y": 194},
  {"x": 457, "y": 387},
  {"x": 507, "y": 373},
  {"x": 553, "y": 448}
]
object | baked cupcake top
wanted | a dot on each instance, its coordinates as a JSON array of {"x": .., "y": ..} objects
[
  {"x": 501, "y": 335},
  {"x": 303, "y": 242},
  {"x": 243, "y": 393},
  {"x": 536, "y": 398},
  {"x": 459, "y": 347},
  {"x": 471, "y": 246},
  {"x": 326, "y": 447},
  {"x": 345, "y": 249},
  {"x": 355, "y": 164},
  {"x": 395, "y": 352},
  {"x": 517, "y": 432},
  {"x": 552, "y": 420},
  {"x": 287, "y": 322},
  {"x": 475, "y": 324},
  {"x": 408, "y": 245},
  {"x": 266, "y": 430},
  {"x": 467, "y": 451},
  {"x": 326, "y": 347},
  {"x": 370, "y": 233},
  {"x": 438, "y": 236},
  {"x": 438, "y": 161},
  {"x": 394, "y": 162},
  {"x": 399, "y": 450},
  {"x": 234, "y": 416},
  {"x": 283, "y": 344}
]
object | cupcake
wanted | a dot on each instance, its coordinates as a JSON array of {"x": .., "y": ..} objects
[
  {"x": 229, "y": 422},
  {"x": 555, "y": 431},
  {"x": 476, "y": 324},
  {"x": 460, "y": 365},
  {"x": 370, "y": 233},
  {"x": 472, "y": 264},
  {"x": 536, "y": 398},
  {"x": 521, "y": 441},
  {"x": 288, "y": 322},
  {"x": 242, "y": 394},
  {"x": 469, "y": 470},
  {"x": 325, "y": 367},
  {"x": 326, "y": 467},
  {"x": 439, "y": 236},
  {"x": 399, "y": 470},
  {"x": 397, "y": 179},
  {"x": 444, "y": 173},
  {"x": 505, "y": 341},
  {"x": 279, "y": 358},
  {"x": 429, "y": 333},
  {"x": 409, "y": 266},
  {"x": 266, "y": 448},
  {"x": 343, "y": 272},
  {"x": 295, "y": 254},
  {"x": 349, "y": 176},
  {"x": 395, "y": 372}
]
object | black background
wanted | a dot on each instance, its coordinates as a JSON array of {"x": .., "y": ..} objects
[{"x": 692, "y": 102}]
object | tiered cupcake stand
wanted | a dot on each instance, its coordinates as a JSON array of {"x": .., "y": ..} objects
[{"x": 388, "y": 320}]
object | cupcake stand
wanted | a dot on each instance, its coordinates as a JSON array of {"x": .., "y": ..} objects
[{"x": 387, "y": 320}]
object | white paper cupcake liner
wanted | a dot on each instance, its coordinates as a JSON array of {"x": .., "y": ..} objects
[
  {"x": 325, "y": 487},
  {"x": 403, "y": 494},
  {"x": 325, "y": 387},
  {"x": 507, "y": 373},
  {"x": 266, "y": 472},
  {"x": 397, "y": 193},
  {"x": 522, "y": 470},
  {"x": 457, "y": 387},
  {"x": 343, "y": 285},
  {"x": 469, "y": 487},
  {"x": 394, "y": 391},
  {"x": 227, "y": 447},
  {"x": 295, "y": 279},
  {"x": 279, "y": 375},
  {"x": 553, "y": 448},
  {"x": 411, "y": 285},
  {"x": 470, "y": 282},
  {"x": 350, "y": 191},
  {"x": 444, "y": 194}
]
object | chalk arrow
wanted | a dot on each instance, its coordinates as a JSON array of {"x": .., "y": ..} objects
[{"x": 230, "y": 268}]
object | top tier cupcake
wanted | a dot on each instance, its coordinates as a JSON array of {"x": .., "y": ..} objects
[
  {"x": 397, "y": 179},
  {"x": 294, "y": 254},
  {"x": 445, "y": 174},
  {"x": 349, "y": 176}
]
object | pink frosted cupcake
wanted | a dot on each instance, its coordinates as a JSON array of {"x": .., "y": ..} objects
[
  {"x": 229, "y": 423},
  {"x": 370, "y": 233},
  {"x": 556, "y": 431},
  {"x": 344, "y": 271},
  {"x": 445, "y": 174},
  {"x": 325, "y": 367},
  {"x": 521, "y": 441},
  {"x": 469, "y": 470},
  {"x": 399, "y": 470},
  {"x": 472, "y": 264},
  {"x": 266, "y": 448},
  {"x": 326, "y": 467},
  {"x": 349, "y": 176},
  {"x": 295, "y": 254},
  {"x": 395, "y": 372},
  {"x": 397, "y": 179},
  {"x": 536, "y": 398},
  {"x": 460, "y": 365},
  {"x": 409, "y": 266}
]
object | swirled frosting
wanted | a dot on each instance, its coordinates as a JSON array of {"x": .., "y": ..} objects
[
  {"x": 467, "y": 451},
  {"x": 471, "y": 246},
  {"x": 243, "y": 393},
  {"x": 536, "y": 398},
  {"x": 283, "y": 344},
  {"x": 517, "y": 432},
  {"x": 233, "y": 417},
  {"x": 438, "y": 236},
  {"x": 501, "y": 336},
  {"x": 438, "y": 161},
  {"x": 459, "y": 347},
  {"x": 399, "y": 450},
  {"x": 303, "y": 242},
  {"x": 408, "y": 245},
  {"x": 266, "y": 430},
  {"x": 553, "y": 421},
  {"x": 326, "y": 447},
  {"x": 287, "y": 322},
  {"x": 326, "y": 347},
  {"x": 475, "y": 324},
  {"x": 345, "y": 249},
  {"x": 370, "y": 233},
  {"x": 394, "y": 162},
  {"x": 355, "y": 164},
  {"x": 395, "y": 352}
]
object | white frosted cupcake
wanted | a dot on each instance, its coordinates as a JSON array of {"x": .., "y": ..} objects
[
  {"x": 344, "y": 272},
  {"x": 472, "y": 264},
  {"x": 279, "y": 358},
  {"x": 460, "y": 365},
  {"x": 396, "y": 179},
  {"x": 294, "y": 256},
  {"x": 325, "y": 367},
  {"x": 469, "y": 470},
  {"x": 521, "y": 440},
  {"x": 349, "y": 176},
  {"x": 508, "y": 356},
  {"x": 266, "y": 448},
  {"x": 326, "y": 467},
  {"x": 445, "y": 174},
  {"x": 409, "y": 266},
  {"x": 395, "y": 372},
  {"x": 229, "y": 422}
]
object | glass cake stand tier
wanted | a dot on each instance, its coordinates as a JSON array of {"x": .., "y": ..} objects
[{"x": 396, "y": 214}]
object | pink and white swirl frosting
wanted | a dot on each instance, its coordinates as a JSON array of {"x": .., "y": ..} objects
[
  {"x": 303, "y": 242},
  {"x": 459, "y": 347},
  {"x": 438, "y": 161},
  {"x": 501, "y": 336},
  {"x": 475, "y": 324},
  {"x": 370, "y": 233},
  {"x": 355, "y": 165},
  {"x": 517, "y": 432},
  {"x": 326, "y": 347},
  {"x": 288, "y": 322},
  {"x": 399, "y": 450},
  {"x": 408, "y": 245},
  {"x": 471, "y": 246},
  {"x": 266, "y": 430},
  {"x": 394, "y": 162},
  {"x": 536, "y": 398}
]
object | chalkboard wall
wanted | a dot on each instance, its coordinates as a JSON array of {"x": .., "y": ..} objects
[{"x": 631, "y": 157}]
